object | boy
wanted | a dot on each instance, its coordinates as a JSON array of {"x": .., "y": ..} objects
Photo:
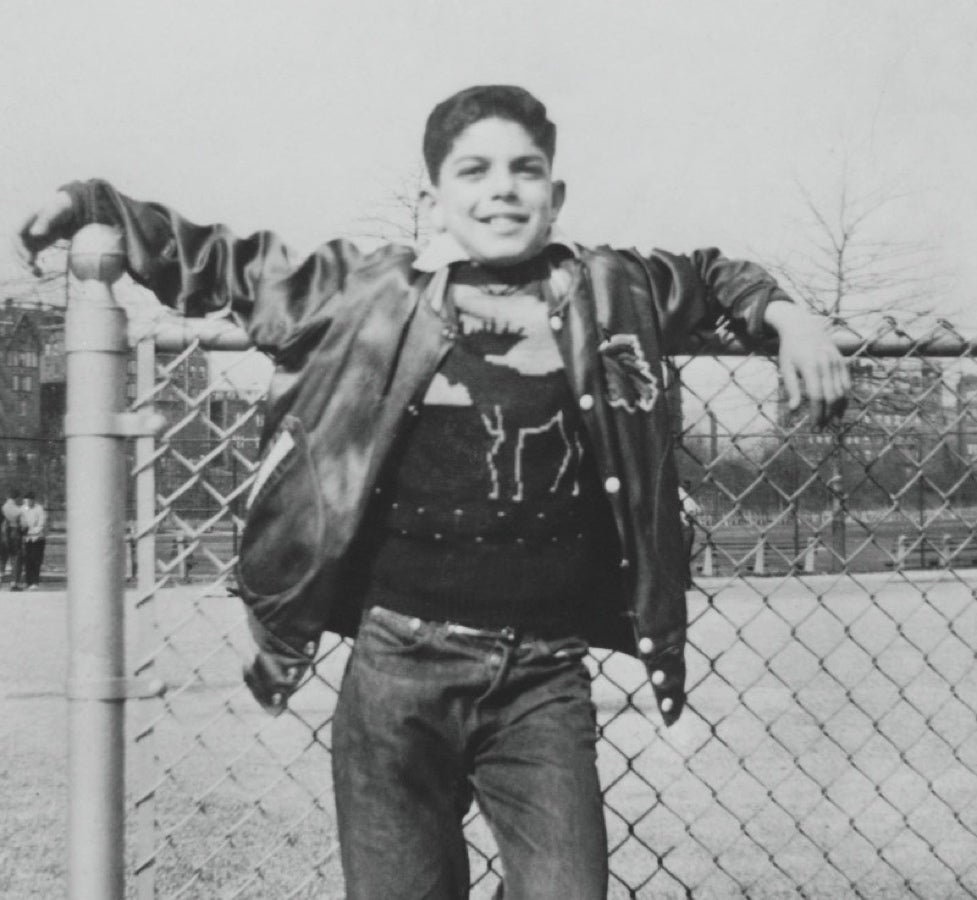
[
  {"x": 33, "y": 521},
  {"x": 11, "y": 539},
  {"x": 689, "y": 512},
  {"x": 473, "y": 473}
]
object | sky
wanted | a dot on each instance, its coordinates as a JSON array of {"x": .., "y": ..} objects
[{"x": 680, "y": 124}]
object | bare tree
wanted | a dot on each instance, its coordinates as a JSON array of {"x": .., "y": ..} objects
[
  {"x": 855, "y": 265},
  {"x": 399, "y": 216}
]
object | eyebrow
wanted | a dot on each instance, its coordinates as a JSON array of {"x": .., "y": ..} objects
[{"x": 527, "y": 157}]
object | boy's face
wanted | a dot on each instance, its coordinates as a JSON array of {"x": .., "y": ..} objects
[{"x": 495, "y": 193}]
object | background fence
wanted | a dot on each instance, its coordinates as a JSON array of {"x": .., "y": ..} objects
[{"x": 828, "y": 748}]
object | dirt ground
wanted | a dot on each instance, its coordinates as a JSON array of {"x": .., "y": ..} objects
[{"x": 828, "y": 748}]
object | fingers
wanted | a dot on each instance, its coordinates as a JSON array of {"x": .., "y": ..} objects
[
  {"x": 25, "y": 246},
  {"x": 824, "y": 373},
  {"x": 262, "y": 689},
  {"x": 791, "y": 384},
  {"x": 42, "y": 228},
  {"x": 271, "y": 682}
]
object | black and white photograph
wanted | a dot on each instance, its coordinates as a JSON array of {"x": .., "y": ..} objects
[{"x": 488, "y": 450}]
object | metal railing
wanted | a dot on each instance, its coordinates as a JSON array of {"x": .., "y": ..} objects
[{"x": 828, "y": 748}]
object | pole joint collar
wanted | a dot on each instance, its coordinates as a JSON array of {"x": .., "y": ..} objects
[
  {"x": 113, "y": 424},
  {"x": 114, "y": 689}
]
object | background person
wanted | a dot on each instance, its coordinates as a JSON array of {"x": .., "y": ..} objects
[
  {"x": 33, "y": 520},
  {"x": 689, "y": 513},
  {"x": 11, "y": 539}
]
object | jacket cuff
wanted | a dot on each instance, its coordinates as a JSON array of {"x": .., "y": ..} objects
[
  {"x": 665, "y": 663},
  {"x": 752, "y": 308},
  {"x": 81, "y": 203},
  {"x": 277, "y": 670},
  {"x": 274, "y": 646}
]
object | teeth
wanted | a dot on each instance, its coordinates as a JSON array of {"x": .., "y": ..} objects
[{"x": 503, "y": 222}]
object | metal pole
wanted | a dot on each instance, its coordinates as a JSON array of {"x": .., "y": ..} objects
[
  {"x": 839, "y": 555},
  {"x": 144, "y": 769},
  {"x": 921, "y": 503},
  {"x": 95, "y": 430},
  {"x": 95, "y": 346},
  {"x": 795, "y": 504}
]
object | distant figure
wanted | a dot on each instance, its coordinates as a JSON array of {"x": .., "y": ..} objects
[
  {"x": 11, "y": 543},
  {"x": 689, "y": 513},
  {"x": 33, "y": 523}
]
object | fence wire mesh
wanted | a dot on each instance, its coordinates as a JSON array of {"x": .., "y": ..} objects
[{"x": 828, "y": 748}]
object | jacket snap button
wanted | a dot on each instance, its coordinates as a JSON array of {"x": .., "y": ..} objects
[
  {"x": 586, "y": 402},
  {"x": 646, "y": 645},
  {"x": 612, "y": 485},
  {"x": 556, "y": 323}
]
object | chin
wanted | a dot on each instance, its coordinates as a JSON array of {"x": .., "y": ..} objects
[{"x": 505, "y": 258}]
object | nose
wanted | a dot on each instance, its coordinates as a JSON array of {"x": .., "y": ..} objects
[{"x": 502, "y": 183}]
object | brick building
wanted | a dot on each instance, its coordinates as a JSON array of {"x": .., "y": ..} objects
[{"x": 33, "y": 400}]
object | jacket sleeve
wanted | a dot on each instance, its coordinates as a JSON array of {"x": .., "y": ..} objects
[
  {"x": 203, "y": 270},
  {"x": 700, "y": 291}
]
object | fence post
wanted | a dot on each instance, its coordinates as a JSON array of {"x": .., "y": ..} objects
[
  {"x": 708, "y": 565},
  {"x": 144, "y": 747},
  {"x": 760, "y": 560},
  {"x": 179, "y": 554},
  {"x": 902, "y": 551},
  {"x": 810, "y": 555},
  {"x": 946, "y": 551},
  {"x": 95, "y": 430}
]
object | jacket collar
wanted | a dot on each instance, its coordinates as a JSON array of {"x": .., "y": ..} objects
[{"x": 443, "y": 250}]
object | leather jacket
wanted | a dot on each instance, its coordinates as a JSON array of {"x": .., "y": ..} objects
[{"x": 364, "y": 334}]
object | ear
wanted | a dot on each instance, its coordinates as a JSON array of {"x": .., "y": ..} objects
[
  {"x": 431, "y": 207},
  {"x": 558, "y": 198}
]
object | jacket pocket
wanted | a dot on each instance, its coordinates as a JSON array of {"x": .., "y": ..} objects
[{"x": 282, "y": 535}]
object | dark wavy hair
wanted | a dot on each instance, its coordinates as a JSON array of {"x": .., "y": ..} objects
[{"x": 502, "y": 101}]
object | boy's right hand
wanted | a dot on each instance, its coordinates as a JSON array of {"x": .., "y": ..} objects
[
  {"x": 271, "y": 682},
  {"x": 51, "y": 222}
]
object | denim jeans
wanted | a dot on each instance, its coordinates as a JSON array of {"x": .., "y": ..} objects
[{"x": 428, "y": 717}]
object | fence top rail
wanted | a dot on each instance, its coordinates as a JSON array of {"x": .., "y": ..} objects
[{"x": 174, "y": 335}]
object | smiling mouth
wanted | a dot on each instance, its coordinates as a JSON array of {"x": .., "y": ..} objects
[{"x": 504, "y": 222}]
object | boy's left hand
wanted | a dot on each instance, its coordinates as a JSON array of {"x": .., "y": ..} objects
[{"x": 808, "y": 355}]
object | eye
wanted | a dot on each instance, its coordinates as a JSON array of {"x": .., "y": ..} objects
[
  {"x": 470, "y": 170},
  {"x": 530, "y": 168}
]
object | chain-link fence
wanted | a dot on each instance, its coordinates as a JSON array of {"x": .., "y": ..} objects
[{"x": 828, "y": 748}]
